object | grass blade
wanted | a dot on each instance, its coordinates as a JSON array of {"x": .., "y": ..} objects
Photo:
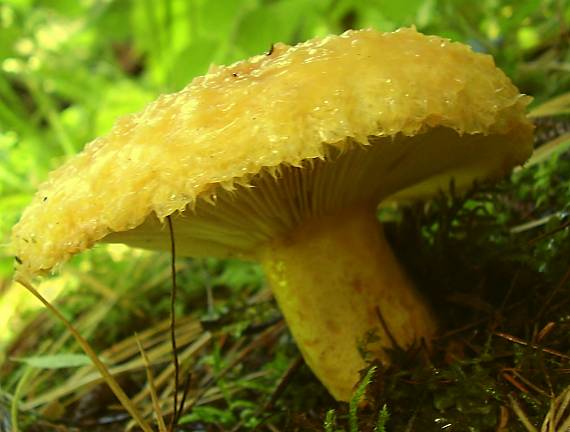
[
  {"x": 153, "y": 395},
  {"x": 109, "y": 379}
]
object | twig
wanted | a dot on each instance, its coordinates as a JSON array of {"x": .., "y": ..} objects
[
  {"x": 521, "y": 415},
  {"x": 530, "y": 384},
  {"x": 514, "y": 382},
  {"x": 564, "y": 404},
  {"x": 533, "y": 346},
  {"x": 549, "y": 233},
  {"x": 545, "y": 331},
  {"x": 393, "y": 340},
  {"x": 284, "y": 382},
  {"x": 463, "y": 328}
]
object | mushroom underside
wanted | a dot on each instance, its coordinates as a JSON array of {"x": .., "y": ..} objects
[
  {"x": 237, "y": 222},
  {"x": 313, "y": 228}
]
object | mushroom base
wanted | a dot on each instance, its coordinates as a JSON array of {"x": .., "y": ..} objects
[{"x": 331, "y": 277}]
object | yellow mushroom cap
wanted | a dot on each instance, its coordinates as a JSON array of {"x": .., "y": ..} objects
[{"x": 424, "y": 108}]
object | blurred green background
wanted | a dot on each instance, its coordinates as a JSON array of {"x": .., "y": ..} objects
[{"x": 69, "y": 68}]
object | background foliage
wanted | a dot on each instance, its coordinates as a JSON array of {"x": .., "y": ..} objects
[{"x": 69, "y": 68}]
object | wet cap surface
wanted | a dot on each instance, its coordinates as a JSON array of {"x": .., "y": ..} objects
[{"x": 273, "y": 120}]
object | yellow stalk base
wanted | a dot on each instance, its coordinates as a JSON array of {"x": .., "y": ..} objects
[{"x": 329, "y": 278}]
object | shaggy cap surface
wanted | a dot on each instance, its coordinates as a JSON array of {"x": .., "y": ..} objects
[{"x": 275, "y": 119}]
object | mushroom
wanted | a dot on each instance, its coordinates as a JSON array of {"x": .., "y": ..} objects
[{"x": 283, "y": 158}]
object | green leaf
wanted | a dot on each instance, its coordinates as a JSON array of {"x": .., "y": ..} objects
[{"x": 56, "y": 361}]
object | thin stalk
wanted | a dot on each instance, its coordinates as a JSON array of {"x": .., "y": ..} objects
[{"x": 173, "y": 323}]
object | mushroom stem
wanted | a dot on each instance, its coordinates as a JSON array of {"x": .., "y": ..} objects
[{"x": 330, "y": 277}]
